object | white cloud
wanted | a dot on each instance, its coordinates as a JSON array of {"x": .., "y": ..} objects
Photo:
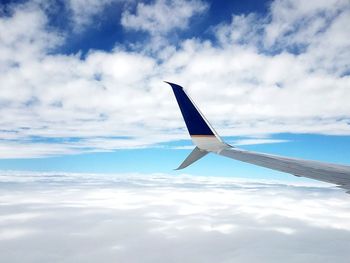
[
  {"x": 151, "y": 218},
  {"x": 25, "y": 30},
  {"x": 116, "y": 99},
  {"x": 299, "y": 22},
  {"x": 162, "y": 16},
  {"x": 257, "y": 141},
  {"x": 86, "y": 12},
  {"x": 316, "y": 26}
]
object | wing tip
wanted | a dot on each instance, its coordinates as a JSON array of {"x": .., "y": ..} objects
[{"x": 173, "y": 85}]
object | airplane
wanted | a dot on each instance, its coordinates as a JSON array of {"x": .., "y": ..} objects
[{"x": 206, "y": 140}]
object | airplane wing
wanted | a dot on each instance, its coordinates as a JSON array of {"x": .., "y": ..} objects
[{"x": 207, "y": 140}]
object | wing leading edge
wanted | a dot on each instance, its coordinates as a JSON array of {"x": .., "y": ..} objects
[{"x": 207, "y": 140}]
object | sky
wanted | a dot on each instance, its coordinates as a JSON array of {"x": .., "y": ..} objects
[
  {"x": 82, "y": 82},
  {"x": 90, "y": 134}
]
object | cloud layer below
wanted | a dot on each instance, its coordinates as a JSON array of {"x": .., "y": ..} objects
[{"x": 156, "y": 218}]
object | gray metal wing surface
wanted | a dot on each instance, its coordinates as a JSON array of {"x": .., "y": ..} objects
[{"x": 207, "y": 140}]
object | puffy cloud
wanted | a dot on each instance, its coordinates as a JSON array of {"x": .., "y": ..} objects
[
  {"x": 25, "y": 29},
  {"x": 85, "y": 12},
  {"x": 294, "y": 22},
  {"x": 316, "y": 27},
  {"x": 54, "y": 103},
  {"x": 162, "y": 16},
  {"x": 155, "y": 218}
]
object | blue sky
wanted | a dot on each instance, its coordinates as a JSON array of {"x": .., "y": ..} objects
[
  {"x": 109, "y": 31},
  {"x": 82, "y": 86}
]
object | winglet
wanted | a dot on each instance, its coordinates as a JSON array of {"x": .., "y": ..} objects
[
  {"x": 195, "y": 155},
  {"x": 195, "y": 121},
  {"x": 200, "y": 130}
]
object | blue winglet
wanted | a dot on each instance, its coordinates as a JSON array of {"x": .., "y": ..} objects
[{"x": 194, "y": 120}]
